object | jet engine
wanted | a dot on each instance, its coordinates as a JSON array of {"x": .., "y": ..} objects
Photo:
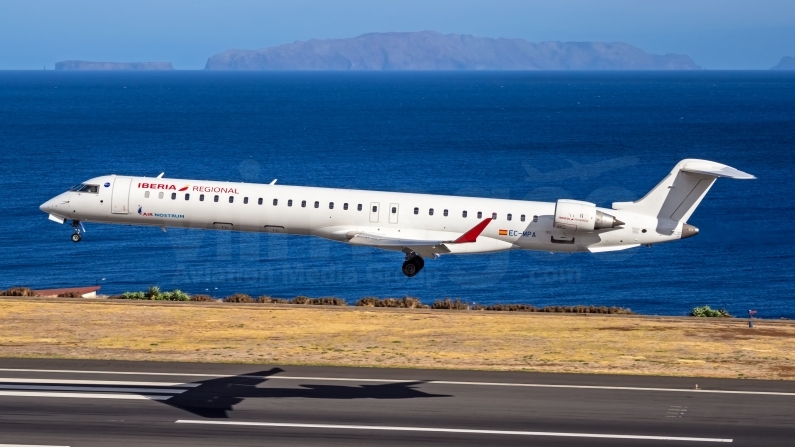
[{"x": 576, "y": 215}]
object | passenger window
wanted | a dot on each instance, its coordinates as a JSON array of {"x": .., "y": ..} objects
[
  {"x": 375, "y": 208},
  {"x": 359, "y": 207},
  {"x": 187, "y": 196},
  {"x": 275, "y": 202},
  {"x": 509, "y": 216},
  {"x": 146, "y": 195},
  {"x": 303, "y": 204},
  {"x": 173, "y": 196},
  {"x": 445, "y": 213},
  {"x": 331, "y": 205},
  {"x": 231, "y": 199},
  {"x": 259, "y": 202},
  {"x": 522, "y": 218},
  {"x": 394, "y": 209},
  {"x": 345, "y": 206},
  {"x": 416, "y": 210},
  {"x": 160, "y": 195},
  {"x": 245, "y": 200},
  {"x": 493, "y": 216},
  {"x": 430, "y": 212},
  {"x": 317, "y": 204},
  {"x": 215, "y": 199},
  {"x": 480, "y": 215},
  {"x": 535, "y": 218},
  {"x": 290, "y": 202},
  {"x": 201, "y": 198},
  {"x": 464, "y": 214}
]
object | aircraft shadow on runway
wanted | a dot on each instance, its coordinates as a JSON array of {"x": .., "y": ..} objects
[{"x": 214, "y": 398}]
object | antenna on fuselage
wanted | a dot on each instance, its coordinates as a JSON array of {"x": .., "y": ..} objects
[
  {"x": 161, "y": 175},
  {"x": 273, "y": 182}
]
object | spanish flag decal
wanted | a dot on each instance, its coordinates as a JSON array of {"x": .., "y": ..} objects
[{"x": 503, "y": 232}]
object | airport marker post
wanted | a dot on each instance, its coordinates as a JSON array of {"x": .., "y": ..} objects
[{"x": 751, "y": 314}]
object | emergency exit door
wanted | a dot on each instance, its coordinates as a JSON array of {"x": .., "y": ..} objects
[
  {"x": 120, "y": 199},
  {"x": 393, "y": 213}
]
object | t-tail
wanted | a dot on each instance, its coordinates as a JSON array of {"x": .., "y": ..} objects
[{"x": 676, "y": 197}]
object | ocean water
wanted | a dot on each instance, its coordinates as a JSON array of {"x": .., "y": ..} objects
[{"x": 536, "y": 136}]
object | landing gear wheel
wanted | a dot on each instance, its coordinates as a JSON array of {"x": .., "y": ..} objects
[
  {"x": 77, "y": 237},
  {"x": 413, "y": 265},
  {"x": 410, "y": 268}
]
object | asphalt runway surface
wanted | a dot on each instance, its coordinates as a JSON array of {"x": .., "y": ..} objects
[{"x": 74, "y": 403}]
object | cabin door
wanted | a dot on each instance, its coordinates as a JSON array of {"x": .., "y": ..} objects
[
  {"x": 374, "y": 211},
  {"x": 120, "y": 198}
]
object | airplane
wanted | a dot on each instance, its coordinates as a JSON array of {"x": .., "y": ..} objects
[{"x": 418, "y": 225}]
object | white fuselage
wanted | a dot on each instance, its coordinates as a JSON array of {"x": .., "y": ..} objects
[{"x": 338, "y": 214}]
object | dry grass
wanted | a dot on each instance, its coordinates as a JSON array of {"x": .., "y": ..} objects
[{"x": 363, "y": 336}]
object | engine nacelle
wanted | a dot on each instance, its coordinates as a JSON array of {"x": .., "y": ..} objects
[{"x": 575, "y": 215}]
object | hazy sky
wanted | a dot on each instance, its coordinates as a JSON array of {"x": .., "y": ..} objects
[{"x": 717, "y": 34}]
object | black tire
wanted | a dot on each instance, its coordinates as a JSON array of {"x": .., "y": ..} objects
[
  {"x": 420, "y": 263},
  {"x": 410, "y": 268},
  {"x": 77, "y": 237}
]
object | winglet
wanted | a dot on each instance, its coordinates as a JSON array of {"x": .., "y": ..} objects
[{"x": 472, "y": 235}]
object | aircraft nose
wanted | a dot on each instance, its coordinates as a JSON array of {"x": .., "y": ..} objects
[{"x": 48, "y": 206}]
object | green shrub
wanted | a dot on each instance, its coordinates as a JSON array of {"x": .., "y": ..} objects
[
  {"x": 134, "y": 296},
  {"x": 239, "y": 298},
  {"x": 174, "y": 295},
  {"x": 153, "y": 293},
  {"x": 706, "y": 311}
]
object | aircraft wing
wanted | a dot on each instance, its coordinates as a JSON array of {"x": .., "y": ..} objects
[{"x": 423, "y": 247}]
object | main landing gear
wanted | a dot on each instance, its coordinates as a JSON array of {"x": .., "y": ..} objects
[
  {"x": 414, "y": 263},
  {"x": 77, "y": 236}
]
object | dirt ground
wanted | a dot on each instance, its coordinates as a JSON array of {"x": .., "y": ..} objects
[{"x": 405, "y": 338}]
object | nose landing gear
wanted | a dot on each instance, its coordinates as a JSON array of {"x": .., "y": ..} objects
[
  {"x": 77, "y": 236},
  {"x": 413, "y": 264}
]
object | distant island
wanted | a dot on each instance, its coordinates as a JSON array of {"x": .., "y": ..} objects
[
  {"x": 113, "y": 66},
  {"x": 787, "y": 63},
  {"x": 429, "y": 50}
]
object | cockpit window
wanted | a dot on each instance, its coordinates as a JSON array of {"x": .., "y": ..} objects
[{"x": 92, "y": 189}]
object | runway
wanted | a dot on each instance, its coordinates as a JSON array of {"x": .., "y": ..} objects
[{"x": 100, "y": 403}]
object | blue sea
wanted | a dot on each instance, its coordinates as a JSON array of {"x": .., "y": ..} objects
[{"x": 596, "y": 136}]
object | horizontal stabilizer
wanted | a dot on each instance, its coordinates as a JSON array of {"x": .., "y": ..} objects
[{"x": 715, "y": 170}]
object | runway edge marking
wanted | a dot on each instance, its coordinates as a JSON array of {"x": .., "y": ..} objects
[
  {"x": 455, "y": 430},
  {"x": 83, "y": 395},
  {"x": 437, "y": 382}
]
